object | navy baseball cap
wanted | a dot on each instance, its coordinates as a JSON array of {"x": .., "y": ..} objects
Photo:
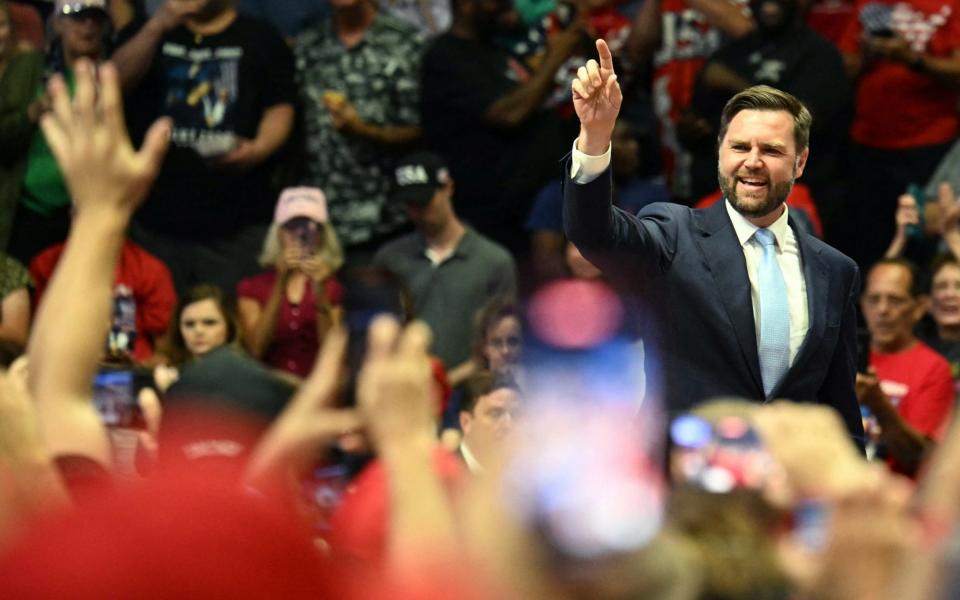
[{"x": 417, "y": 176}]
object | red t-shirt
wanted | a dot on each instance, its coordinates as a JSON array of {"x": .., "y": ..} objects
[
  {"x": 687, "y": 40},
  {"x": 830, "y": 18},
  {"x": 294, "y": 346},
  {"x": 897, "y": 107},
  {"x": 919, "y": 383},
  {"x": 139, "y": 271}
]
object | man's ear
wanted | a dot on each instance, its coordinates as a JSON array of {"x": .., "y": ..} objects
[
  {"x": 466, "y": 419},
  {"x": 802, "y": 161}
]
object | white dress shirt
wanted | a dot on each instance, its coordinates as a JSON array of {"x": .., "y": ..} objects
[{"x": 584, "y": 168}]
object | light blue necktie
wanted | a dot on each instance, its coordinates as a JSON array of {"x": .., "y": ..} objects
[{"x": 774, "y": 345}]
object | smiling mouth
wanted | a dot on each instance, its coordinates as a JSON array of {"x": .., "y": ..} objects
[{"x": 753, "y": 182}]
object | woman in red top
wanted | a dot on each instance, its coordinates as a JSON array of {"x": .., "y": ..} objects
[{"x": 287, "y": 310}]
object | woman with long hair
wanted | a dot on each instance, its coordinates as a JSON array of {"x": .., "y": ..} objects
[{"x": 287, "y": 309}]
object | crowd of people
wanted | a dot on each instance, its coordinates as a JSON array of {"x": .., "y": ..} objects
[{"x": 317, "y": 298}]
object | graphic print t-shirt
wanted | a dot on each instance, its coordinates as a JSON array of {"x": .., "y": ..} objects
[{"x": 216, "y": 88}]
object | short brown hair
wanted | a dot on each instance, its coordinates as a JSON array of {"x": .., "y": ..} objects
[
  {"x": 481, "y": 384},
  {"x": 764, "y": 97}
]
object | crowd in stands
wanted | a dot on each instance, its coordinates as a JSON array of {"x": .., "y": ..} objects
[{"x": 287, "y": 306}]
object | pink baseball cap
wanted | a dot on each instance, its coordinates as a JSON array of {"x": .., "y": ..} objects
[{"x": 301, "y": 202}]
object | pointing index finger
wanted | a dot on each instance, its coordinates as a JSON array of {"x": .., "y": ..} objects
[{"x": 606, "y": 59}]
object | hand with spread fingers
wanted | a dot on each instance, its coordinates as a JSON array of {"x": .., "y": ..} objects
[
  {"x": 597, "y": 98},
  {"x": 89, "y": 139}
]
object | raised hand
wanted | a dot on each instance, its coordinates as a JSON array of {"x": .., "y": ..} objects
[
  {"x": 596, "y": 98},
  {"x": 175, "y": 12},
  {"x": 395, "y": 392},
  {"x": 89, "y": 139}
]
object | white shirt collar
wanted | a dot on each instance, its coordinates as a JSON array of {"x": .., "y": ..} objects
[
  {"x": 472, "y": 464},
  {"x": 745, "y": 229}
]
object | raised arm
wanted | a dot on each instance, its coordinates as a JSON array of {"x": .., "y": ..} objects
[
  {"x": 133, "y": 59},
  {"x": 107, "y": 179},
  {"x": 515, "y": 107}
]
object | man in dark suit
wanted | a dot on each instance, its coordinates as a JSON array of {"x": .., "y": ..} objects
[{"x": 738, "y": 300}]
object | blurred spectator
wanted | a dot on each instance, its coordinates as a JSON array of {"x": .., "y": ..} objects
[
  {"x": 497, "y": 348},
  {"x": 483, "y": 112},
  {"x": 498, "y": 337},
  {"x": 450, "y": 269},
  {"x": 913, "y": 379},
  {"x": 288, "y": 16},
  {"x": 43, "y": 215},
  {"x": 15, "y": 312},
  {"x": 430, "y": 17},
  {"x": 784, "y": 53},
  {"x": 203, "y": 320},
  {"x": 28, "y": 24},
  {"x": 21, "y": 72},
  {"x": 906, "y": 58},
  {"x": 357, "y": 74},
  {"x": 286, "y": 311},
  {"x": 829, "y": 18},
  {"x": 945, "y": 310},
  {"x": 226, "y": 80},
  {"x": 600, "y": 19},
  {"x": 143, "y": 299},
  {"x": 488, "y": 412},
  {"x": 678, "y": 36},
  {"x": 127, "y": 17},
  {"x": 631, "y": 192}
]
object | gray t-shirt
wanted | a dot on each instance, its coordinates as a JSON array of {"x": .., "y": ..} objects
[{"x": 448, "y": 295}]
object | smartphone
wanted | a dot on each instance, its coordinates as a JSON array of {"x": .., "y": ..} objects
[
  {"x": 305, "y": 231},
  {"x": 718, "y": 457},
  {"x": 115, "y": 392},
  {"x": 587, "y": 474},
  {"x": 323, "y": 491}
]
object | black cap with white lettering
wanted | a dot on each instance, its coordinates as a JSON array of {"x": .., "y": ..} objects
[{"x": 417, "y": 176}]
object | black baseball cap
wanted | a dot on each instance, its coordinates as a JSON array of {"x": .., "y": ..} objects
[{"x": 417, "y": 176}]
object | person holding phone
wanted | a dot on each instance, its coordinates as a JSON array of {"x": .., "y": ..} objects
[{"x": 287, "y": 309}]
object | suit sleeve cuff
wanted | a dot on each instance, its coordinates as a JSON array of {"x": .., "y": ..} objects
[{"x": 584, "y": 168}]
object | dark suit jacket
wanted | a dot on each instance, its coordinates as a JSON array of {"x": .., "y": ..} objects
[{"x": 688, "y": 268}]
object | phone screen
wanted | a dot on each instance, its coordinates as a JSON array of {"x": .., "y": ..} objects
[
  {"x": 587, "y": 474},
  {"x": 305, "y": 232},
  {"x": 115, "y": 396}
]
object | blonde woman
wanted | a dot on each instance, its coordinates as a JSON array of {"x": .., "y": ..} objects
[{"x": 286, "y": 310}]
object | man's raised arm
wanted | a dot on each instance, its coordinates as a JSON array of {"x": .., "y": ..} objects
[{"x": 133, "y": 59}]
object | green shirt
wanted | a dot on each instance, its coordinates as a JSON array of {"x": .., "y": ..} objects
[{"x": 44, "y": 190}]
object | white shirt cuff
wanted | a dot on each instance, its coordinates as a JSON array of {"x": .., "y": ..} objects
[{"x": 584, "y": 168}]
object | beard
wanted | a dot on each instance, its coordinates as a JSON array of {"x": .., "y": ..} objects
[{"x": 776, "y": 196}]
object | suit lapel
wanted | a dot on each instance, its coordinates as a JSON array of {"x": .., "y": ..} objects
[{"x": 724, "y": 258}]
